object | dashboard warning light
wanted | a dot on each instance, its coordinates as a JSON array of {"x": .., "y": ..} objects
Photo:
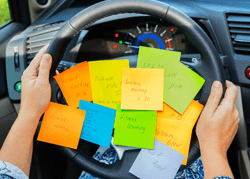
[
  {"x": 116, "y": 35},
  {"x": 115, "y": 46},
  {"x": 172, "y": 29}
]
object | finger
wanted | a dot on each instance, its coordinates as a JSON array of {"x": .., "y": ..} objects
[
  {"x": 230, "y": 94},
  {"x": 45, "y": 66},
  {"x": 57, "y": 72},
  {"x": 214, "y": 97},
  {"x": 36, "y": 61}
]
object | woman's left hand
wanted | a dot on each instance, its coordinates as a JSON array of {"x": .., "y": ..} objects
[{"x": 36, "y": 90}]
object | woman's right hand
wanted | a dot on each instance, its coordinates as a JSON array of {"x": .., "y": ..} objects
[{"x": 218, "y": 123}]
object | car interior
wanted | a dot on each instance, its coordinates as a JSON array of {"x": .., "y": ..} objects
[{"x": 213, "y": 37}]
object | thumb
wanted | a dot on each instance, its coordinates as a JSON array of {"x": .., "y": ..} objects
[
  {"x": 214, "y": 97},
  {"x": 45, "y": 66}
]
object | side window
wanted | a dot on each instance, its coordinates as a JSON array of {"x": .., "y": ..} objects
[{"x": 4, "y": 12}]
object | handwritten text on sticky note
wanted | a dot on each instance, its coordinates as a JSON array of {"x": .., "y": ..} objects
[
  {"x": 181, "y": 84},
  {"x": 175, "y": 134},
  {"x": 142, "y": 89},
  {"x": 179, "y": 136},
  {"x": 98, "y": 125},
  {"x": 62, "y": 125},
  {"x": 134, "y": 128},
  {"x": 75, "y": 84},
  {"x": 190, "y": 115},
  {"x": 106, "y": 77},
  {"x": 162, "y": 162}
]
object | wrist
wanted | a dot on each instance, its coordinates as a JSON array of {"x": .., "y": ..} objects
[
  {"x": 29, "y": 115},
  {"x": 213, "y": 151}
]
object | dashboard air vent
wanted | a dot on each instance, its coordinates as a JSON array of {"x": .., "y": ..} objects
[
  {"x": 40, "y": 37},
  {"x": 239, "y": 27}
]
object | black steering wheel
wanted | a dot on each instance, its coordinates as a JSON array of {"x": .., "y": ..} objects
[{"x": 210, "y": 68}]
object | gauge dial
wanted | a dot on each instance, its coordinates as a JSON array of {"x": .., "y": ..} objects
[{"x": 148, "y": 34}]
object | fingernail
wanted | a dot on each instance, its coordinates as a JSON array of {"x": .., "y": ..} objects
[
  {"x": 229, "y": 83},
  {"x": 216, "y": 85},
  {"x": 46, "y": 57}
]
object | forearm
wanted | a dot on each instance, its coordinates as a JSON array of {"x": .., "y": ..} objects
[
  {"x": 18, "y": 146},
  {"x": 215, "y": 164}
]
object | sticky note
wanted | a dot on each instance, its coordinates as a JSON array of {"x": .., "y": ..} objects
[
  {"x": 190, "y": 115},
  {"x": 175, "y": 134},
  {"x": 181, "y": 127},
  {"x": 156, "y": 58},
  {"x": 62, "y": 125},
  {"x": 162, "y": 162},
  {"x": 142, "y": 89},
  {"x": 99, "y": 123},
  {"x": 106, "y": 77},
  {"x": 181, "y": 84},
  {"x": 75, "y": 84},
  {"x": 134, "y": 128}
]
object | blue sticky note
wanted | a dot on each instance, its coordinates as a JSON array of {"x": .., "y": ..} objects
[
  {"x": 162, "y": 162},
  {"x": 98, "y": 124}
]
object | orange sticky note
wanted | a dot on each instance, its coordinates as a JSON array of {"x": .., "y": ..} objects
[
  {"x": 175, "y": 134},
  {"x": 190, "y": 115},
  {"x": 75, "y": 84},
  {"x": 175, "y": 130},
  {"x": 62, "y": 125},
  {"x": 142, "y": 89}
]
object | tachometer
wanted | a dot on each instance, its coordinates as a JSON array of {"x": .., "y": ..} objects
[{"x": 148, "y": 34}]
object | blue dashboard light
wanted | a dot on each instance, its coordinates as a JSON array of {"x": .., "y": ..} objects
[{"x": 148, "y": 36}]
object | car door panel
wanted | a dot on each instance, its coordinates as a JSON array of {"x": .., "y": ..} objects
[
  {"x": 7, "y": 111},
  {"x": 6, "y": 33},
  {"x": 7, "y": 117}
]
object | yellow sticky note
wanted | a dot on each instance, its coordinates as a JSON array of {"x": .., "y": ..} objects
[
  {"x": 106, "y": 77},
  {"x": 142, "y": 89},
  {"x": 175, "y": 134},
  {"x": 190, "y": 115},
  {"x": 75, "y": 84},
  {"x": 62, "y": 125}
]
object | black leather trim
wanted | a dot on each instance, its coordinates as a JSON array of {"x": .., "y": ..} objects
[
  {"x": 108, "y": 8},
  {"x": 59, "y": 44}
]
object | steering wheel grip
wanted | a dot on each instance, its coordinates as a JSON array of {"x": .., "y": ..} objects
[{"x": 210, "y": 67}]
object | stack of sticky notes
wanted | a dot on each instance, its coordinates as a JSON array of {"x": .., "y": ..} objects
[
  {"x": 149, "y": 107},
  {"x": 175, "y": 130}
]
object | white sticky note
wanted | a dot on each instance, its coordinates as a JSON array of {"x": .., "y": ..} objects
[{"x": 162, "y": 162}]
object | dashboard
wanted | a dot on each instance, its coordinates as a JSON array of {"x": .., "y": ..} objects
[{"x": 123, "y": 38}]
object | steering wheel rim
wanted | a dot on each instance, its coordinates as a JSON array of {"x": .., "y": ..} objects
[{"x": 210, "y": 68}]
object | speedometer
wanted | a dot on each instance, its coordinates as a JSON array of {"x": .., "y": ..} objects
[{"x": 148, "y": 34}]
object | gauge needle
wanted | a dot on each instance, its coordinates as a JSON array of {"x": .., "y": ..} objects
[
  {"x": 168, "y": 40},
  {"x": 133, "y": 46}
]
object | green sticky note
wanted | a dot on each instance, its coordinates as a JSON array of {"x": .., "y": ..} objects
[
  {"x": 134, "y": 128},
  {"x": 156, "y": 58},
  {"x": 181, "y": 84}
]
